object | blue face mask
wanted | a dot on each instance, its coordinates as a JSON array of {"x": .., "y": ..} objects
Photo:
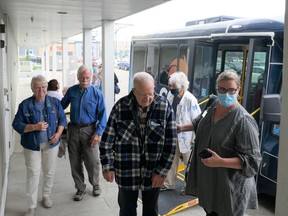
[
  {"x": 175, "y": 92},
  {"x": 227, "y": 100}
]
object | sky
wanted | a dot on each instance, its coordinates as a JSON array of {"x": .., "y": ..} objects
[{"x": 176, "y": 13}]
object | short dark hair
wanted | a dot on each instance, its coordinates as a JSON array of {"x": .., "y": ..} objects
[{"x": 53, "y": 85}]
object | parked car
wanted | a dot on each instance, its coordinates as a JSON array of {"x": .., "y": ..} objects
[{"x": 123, "y": 65}]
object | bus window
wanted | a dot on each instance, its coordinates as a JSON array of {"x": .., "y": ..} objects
[
  {"x": 139, "y": 56},
  {"x": 219, "y": 62},
  {"x": 276, "y": 130},
  {"x": 177, "y": 64},
  {"x": 152, "y": 61},
  {"x": 184, "y": 58},
  {"x": 203, "y": 71},
  {"x": 233, "y": 61},
  {"x": 169, "y": 58}
]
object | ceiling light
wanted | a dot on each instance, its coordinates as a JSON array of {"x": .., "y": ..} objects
[{"x": 62, "y": 12}]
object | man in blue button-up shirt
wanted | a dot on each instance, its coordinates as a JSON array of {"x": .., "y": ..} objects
[{"x": 88, "y": 120}]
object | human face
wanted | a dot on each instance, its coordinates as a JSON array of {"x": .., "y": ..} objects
[
  {"x": 40, "y": 90},
  {"x": 228, "y": 86},
  {"x": 228, "y": 93},
  {"x": 175, "y": 90},
  {"x": 85, "y": 79},
  {"x": 144, "y": 94}
]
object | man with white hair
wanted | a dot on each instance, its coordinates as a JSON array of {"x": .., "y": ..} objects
[
  {"x": 88, "y": 120},
  {"x": 138, "y": 145}
]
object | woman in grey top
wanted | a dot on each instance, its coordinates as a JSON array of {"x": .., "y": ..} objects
[{"x": 223, "y": 179}]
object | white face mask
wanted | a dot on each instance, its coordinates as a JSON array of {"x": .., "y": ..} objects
[{"x": 227, "y": 100}]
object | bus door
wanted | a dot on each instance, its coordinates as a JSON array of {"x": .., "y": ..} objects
[
  {"x": 249, "y": 61},
  {"x": 252, "y": 79},
  {"x": 202, "y": 77}
]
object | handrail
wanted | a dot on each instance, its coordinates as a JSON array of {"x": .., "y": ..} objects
[
  {"x": 256, "y": 111},
  {"x": 204, "y": 101}
]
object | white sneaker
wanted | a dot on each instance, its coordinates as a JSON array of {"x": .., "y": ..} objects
[
  {"x": 47, "y": 202},
  {"x": 30, "y": 212}
]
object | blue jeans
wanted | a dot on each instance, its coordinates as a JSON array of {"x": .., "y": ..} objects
[{"x": 127, "y": 201}]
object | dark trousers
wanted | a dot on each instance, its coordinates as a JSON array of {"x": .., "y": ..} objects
[{"x": 127, "y": 201}]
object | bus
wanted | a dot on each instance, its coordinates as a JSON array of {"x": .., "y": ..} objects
[{"x": 252, "y": 48}]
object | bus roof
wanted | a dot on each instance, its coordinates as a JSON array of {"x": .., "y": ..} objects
[
  {"x": 240, "y": 26},
  {"x": 210, "y": 20}
]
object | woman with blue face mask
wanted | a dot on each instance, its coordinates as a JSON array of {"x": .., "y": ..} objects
[{"x": 224, "y": 178}]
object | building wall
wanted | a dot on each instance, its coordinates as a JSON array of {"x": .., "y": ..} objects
[{"x": 8, "y": 90}]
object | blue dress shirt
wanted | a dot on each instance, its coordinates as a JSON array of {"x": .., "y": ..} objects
[{"x": 87, "y": 106}]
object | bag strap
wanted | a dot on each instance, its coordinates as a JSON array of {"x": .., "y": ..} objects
[{"x": 212, "y": 99}]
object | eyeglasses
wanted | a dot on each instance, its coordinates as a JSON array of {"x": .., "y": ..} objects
[
  {"x": 230, "y": 91},
  {"x": 40, "y": 88}
]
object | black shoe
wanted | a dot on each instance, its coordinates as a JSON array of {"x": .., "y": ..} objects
[{"x": 79, "y": 195}]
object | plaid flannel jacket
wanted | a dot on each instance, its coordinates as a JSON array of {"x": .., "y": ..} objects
[{"x": 134, "y": 159}]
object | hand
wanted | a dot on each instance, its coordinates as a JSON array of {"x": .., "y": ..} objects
[
  {"x": 54, "y": 139},
  {"x": 64, "y": 90},
  {"x": 95, "y": 139},
  {"x": 157, "y": 181},
  {"x": 179, "y": 128},
  {"x": 42, "y": 126},
  {"x": 213, "y": 161},
  {"x": 108, "y": 176}
]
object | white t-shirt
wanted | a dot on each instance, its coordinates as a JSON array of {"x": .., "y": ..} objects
[{"x": 55, "y": 94}]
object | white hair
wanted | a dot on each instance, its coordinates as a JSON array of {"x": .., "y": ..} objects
[
  {"x": 179, "y": 79},
  {"x": 142, "y": 77},
  {"x": 81, "y": 69},
  {"x": 36, "y": 79}
]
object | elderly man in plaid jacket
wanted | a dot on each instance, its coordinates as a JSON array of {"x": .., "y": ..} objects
[{"x": 138, "y": 146}]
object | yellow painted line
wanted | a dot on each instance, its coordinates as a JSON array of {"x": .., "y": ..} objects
[
  {"x": 181, "y": 176},
  {"x": 183, "y": 206},
  {"x": 181, "y": 167}
]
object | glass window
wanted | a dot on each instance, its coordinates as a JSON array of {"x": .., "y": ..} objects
[
  {"x": 168, "y": 60},
  {"x": 276, "y": 130},
  {"x": 139, "y": 56},
  {"x": 152, "y": 61},
  {"x": 233, "y": 61},
  {"x": 203, "y": 71},
  {"x": 184, "y": 59},
  {"x": 219, "y": 62},
  {"x": 256, "y": 84}
]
